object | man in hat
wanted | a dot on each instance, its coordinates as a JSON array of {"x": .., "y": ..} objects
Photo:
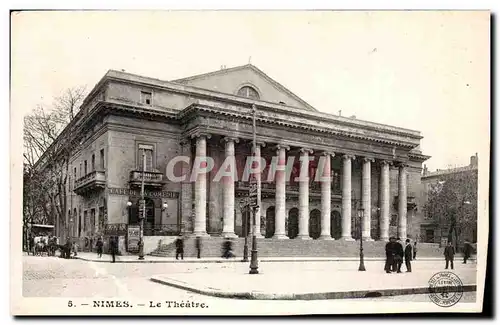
[
  {"x": 408, "y": 255},
  {"x": 398, "y": 255},
  {"x": 389, "y": 255},
  {"x": 467, "y": 251}
]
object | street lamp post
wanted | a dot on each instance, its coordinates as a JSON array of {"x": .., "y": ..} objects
[
  {"x": 254, "y": 263},
  {"x": 361, "y": 213},
  {"x": 143, "y": 205}
]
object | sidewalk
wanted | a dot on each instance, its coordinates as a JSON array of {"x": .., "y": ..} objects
[
  {"x": 106, "y": 258},
  {"x": 304, "y": 281}
]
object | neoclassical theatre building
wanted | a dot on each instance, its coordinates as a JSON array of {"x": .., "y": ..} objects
[{"x": 125, "y": 117}]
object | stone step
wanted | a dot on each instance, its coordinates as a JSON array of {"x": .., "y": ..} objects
[{"x": 212, "y": 247}]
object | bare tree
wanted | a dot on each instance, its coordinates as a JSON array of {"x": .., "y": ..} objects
[
  {"x": 453, "y": 202},
  {"x": 49, "y": 141}
]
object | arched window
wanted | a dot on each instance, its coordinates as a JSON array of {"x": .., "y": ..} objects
[{"x": 249, "y": 92}]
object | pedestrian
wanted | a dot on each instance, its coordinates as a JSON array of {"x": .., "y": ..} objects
[
  {"x": 113, "y": 245},
  {"x": 449, "y": 254},
  {"x": 67, "y": 249},
  {"x": 99, "y": 246},
  {"x": 198, "y": 246},
  {"x": 75, "y": 248},
  {"x": 91, "y": 243},
  {"x": 389, "y": 255},
  {"x": 399, "y": 252},
  {"x": 408, "y": 255},
  {"x": 179, "y": 248},
  {"x": 467, "y": 251},
  {"x": 415, "y": 250},
  {"x": 227, "y": 249}
]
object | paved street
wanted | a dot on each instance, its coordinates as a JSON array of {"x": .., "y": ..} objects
[{"x": 55, "y": 277}]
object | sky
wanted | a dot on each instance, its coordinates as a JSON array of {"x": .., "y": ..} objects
[{"x": 427, "y": 71}]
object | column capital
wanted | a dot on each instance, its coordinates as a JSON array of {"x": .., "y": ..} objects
[
  {"x": 201, "y": 135},
  {"x": 282, "y": 146},
  {"x": 386, "y": 162},
  {"x": 401, "y": 164},
  {"x": 367, "y": 159},
  {"x": 328, "y": 153},
  {"x": 348, "y": 157},
  {"x": 306, "y": 150},
  {"x": 233, "y": 139}
]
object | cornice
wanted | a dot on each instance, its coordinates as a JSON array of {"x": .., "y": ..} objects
[{"x": 283, "y": 121}]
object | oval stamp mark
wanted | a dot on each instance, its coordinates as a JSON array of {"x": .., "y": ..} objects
[{"x": 445, "y": 289}]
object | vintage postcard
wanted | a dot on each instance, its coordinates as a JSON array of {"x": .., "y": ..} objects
[{"x": 249, "y": 162}]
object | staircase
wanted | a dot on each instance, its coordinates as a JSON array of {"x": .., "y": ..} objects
[{"x": 268, "y": 247}]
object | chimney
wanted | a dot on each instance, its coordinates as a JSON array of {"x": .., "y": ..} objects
[{"x": 473, "y": 161}]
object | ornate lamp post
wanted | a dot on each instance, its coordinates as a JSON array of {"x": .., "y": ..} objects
[
  {"x": 361, "y": 213},
  {"x": 254, "y": 263}
]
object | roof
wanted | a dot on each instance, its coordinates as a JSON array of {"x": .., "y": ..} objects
[{"x": 255, "y": 69}]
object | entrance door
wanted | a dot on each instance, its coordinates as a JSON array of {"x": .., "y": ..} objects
[
  {"x": 315, "y": 224},
  {"x": 335, "y": 225},
  {"x": 270, "y": 223},
  {"x": 293, "y": 223}
]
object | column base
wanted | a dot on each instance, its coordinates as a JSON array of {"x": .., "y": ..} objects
[
  {"x": 326, "y": 237},
  {"x": 229, "y": 235},
  {"x": 303, "y": 237},
  {"x": 280, "y": 236},
  {"x": 259, "y": 235},
  {"x": 368, "y": 239},
  {"x": 347, "y": 238}
]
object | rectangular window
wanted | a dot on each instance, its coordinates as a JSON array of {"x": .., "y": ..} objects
[
  {"x": 146, "y": 98},
  {"x": 92, "y": 163},
  {"x": 85, "y": 168},
  {"x": 74, "y": 176},
  {"x": 102, "y": 159},
  {"x": 81, "y": 175},
  {"x": 148, "y": 151}
]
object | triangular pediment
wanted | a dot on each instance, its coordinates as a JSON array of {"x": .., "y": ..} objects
[{"x": 230, "y": 81}]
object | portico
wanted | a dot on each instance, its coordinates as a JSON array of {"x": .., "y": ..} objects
[{"x": 308, "y": 172}]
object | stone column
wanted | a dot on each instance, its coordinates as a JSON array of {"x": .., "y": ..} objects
[
  {"x": 346, "y": 196},
  {"x": 384, "y": 200},
  {"x": 279, "y": 229},
  {"x": 228, "y": 191},
  {"x": 402, "y": 202},
  {"x": 187, "y": 189},
  {"x": 200, "y": 191},
  {"x": 304, "y": 195},
  {"x": 326, "y": 196},
  {"x": 259, "y": 189},
  {"x": 366, "y": 198}
]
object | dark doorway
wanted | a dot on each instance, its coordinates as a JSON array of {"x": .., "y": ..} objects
[
  {"x": 315, "y": 224},
  {"x": 335, "y": 225},
  {"x": 270, "y": 226},
  {"x": 293, "y": 223}
]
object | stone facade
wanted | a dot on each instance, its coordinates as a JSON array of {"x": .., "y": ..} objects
[{"x": 369, "y": 165}]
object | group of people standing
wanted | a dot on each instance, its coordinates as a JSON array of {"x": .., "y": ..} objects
[{"x": 395, "y": 253}]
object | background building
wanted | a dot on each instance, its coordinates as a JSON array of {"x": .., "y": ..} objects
[{"x": 455, "y": 192}]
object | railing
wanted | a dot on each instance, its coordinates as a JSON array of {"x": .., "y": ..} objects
[
  {"x": 96, "y": 176},
  {"x": 150, "y": 177}
]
